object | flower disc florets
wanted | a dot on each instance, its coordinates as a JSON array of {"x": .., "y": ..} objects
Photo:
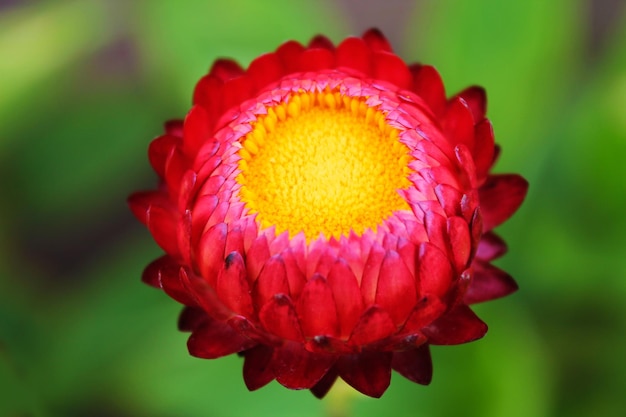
[{"x": 327, "y": 213}]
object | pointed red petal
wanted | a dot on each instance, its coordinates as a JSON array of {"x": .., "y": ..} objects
[
  {"x": 321, "y": 41},
  {"x": 232, "y": 286},
  {"x": 484, "y": 148},
  {"x": 428, "y": 85},
  {"x": 191, "y": 318},
  {"x": 297, "y": 368},
  {"x": 435, "y": 271},
  {"x": 389, "y": 67},
  {"x": 265, "y": 69},
  {"x": 367, "y": 372},
  {"x": 210, "y": 253},
  {"x": 459, "y": 325},
  {"x": 316, "y": 308},
  {"x": 488, "y": 283},
  {"x": 215, "y": 339},
  {"x": 347, "y": 296},
  {"x": 173, "y": 286},
  {"x": 272, "y": 280},
  {"x": 257, "y": 255},
  {"x": 316, "y": 59},
  {"x": 278, "y": 316},
  {"x": 257, "y": 369},
  {"x": 375, "y": 324},
  {"x": 458, "y": 123},
  {"x": 500, "y": 197},
  {"x": 396, "y": 292},
  {"x": 415, "y": 365},
  {"x": 325, "y": 384},
  {"x": 158, "y": 151},
  {"x": 377, "y": 41},
  {"x": 460, "y": 242},
  {"x": 354, "y": 53},
  {"x": 289, "y": 55},
  {"x": 162, "y": 225},
  {"x": 476, "y": 99},
  {"x": 197, "y": 129},
  {"x": 152, "y": 274},
  {"x": 371, "y": 272},
  {"x": 491, "y": 247},
  {"x": 225, "y": 69}
]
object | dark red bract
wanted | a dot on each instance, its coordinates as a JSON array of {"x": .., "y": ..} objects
[{"x": 305, "y": 309}]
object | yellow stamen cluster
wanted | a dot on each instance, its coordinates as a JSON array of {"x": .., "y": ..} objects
[{"x": 323, "y": 163}]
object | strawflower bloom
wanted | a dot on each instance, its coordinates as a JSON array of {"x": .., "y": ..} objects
[{"x": 327, "y": 213}]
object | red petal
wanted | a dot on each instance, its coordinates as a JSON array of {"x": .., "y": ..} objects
[
  {"x": 325, "y": 384},
  {"x": 449, "y": 198},
  {"x": 208, "y": 94},
  {"x": 491, "y": 247},
  {"x": 316, "y": 308},
  {"x": 488, "y": 283},
  {"x": 271, "y": 281},
  {"x": 265, "y": 70},
  {"x": 435, "y": 272},
  {"x": 375, "y": 324},
  {"x": 347, "y": 296},
  {"x": 152, "y": 274},
  {"x": 296, "y": 368},
  {"x": 415, "y": 365},
  {"x": 500, "y": 197},
  {"x": 476, "y": 99},
  {"x": 215, "y": 339},
  {"x": 171, "y": 281},
  {"x": 162, "y": 224},
  {"x": 354, "y": 53},
  {"x": 367, "y": 372},
  {"x": 232, "y": 286},
  {"x": 425, "y": 312},
  {"x": 371, "y": 272},
  {"x": 428, "y": 85},
  {"x": 174, "y": 128},
  {"x": 389, "y": 67},
  {"x": 377, "y": 41},
  {"x": 289, "y": 55},
  {"x": 460, "y": 242},
  {"x": 237, "y": 90},
  {"x": 210, "y": 255},
  {"x": 459, "y": 325},
  {"x": 197, "y": 129},
  {"x": 278, "y": 316},
  {"x": 257, "y": 255},
  {"x": 225, "y": 69},
  {"x": 458, "y": 123},
  {"x": 321, "y": 41},
  {"x": 257, "y": 369},
  {"x": 396, "y": 292},
  {"x": 191, "y": 318},
  {"x": 316, "y": 59},
  {"x": 140, "y": 203},
  {"x": 484, "y": 148},
  {"x": 158, "y": 151}
]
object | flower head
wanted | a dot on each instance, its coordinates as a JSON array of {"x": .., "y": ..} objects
[{"x": 328, "y": 213}]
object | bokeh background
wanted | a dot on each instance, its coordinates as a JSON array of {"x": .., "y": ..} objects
[{"x": 86, "y": 84}]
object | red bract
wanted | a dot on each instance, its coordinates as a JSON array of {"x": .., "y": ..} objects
[{"x": 328, "y": 213}]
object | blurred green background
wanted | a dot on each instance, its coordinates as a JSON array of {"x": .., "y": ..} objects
[{"x": 84, "y": 87}]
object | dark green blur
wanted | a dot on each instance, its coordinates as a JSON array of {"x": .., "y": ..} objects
[{"x": 84, "y": 87}]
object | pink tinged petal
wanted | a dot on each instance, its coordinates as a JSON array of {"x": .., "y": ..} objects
[
  {"x": 347, "y": 296},
  {"x": 162, "y": 225},
  {"x": 476, "y": 99},
  {"x": 316, "y": 309},
  {"x": 210, "y": 255},
  {"x": 234, "y": 239},
  {"x": 289, "y": 55},
  {"x": 225, "y": 69},
  {"x": 215, "y": 339},
  {"x": 316, "y": 59},
  {"x": 321, "y": 41},
  {"x": 389, "y": 67},
  {"x": 325, "y": 384},
  {"x": 158, "y": 151},
  {"x": 459, "y": 325},
  {"x": 295, "y": 276},
  {"x": 265, "y": 70},
  {"x": 484, "y": 149},
  {"x": 374, "y": 325},
  {"x": 466, "y": 167},
  {"x": 191, "y": 318},
  {"x": 297, "y": 368},
  {"x": 435, "y": 272},
  {"x": 491, "y": 247},
  {"x": 460, "y": 242},
  {"x": 257, "y": 367},
  {"x": 437, "y": 230},
  {"x": 396, "y": 292},
  {"x": 375, "y": 39},
  {"x": 488, "y": 283},
  {"x": 500, "y": 197},
  {"x": 415, "y": 365},
  {"x": 197, "y": 129},
  {"x": 371, "y": 272},
  {"x": 354, "y": 53},
  {"x": 367, "y": 372},
  {"x": 278, "y": 316},
  {"x": 449, "y": 198},
  {"x": 232, "y": 286},
  {"x": 272, "y": 280},
  {"x": 408, "y": 253},
  {"x": 256, "y": 256},
  {"x": 428, "y": 85}
]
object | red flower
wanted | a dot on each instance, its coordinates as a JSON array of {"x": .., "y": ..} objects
[{"x": 328, "y": 213}]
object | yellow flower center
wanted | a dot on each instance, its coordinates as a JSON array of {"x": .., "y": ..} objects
[{"x": 323, "y": 163}]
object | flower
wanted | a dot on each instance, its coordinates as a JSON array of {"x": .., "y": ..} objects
[{"x": 328, "y": 213}]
